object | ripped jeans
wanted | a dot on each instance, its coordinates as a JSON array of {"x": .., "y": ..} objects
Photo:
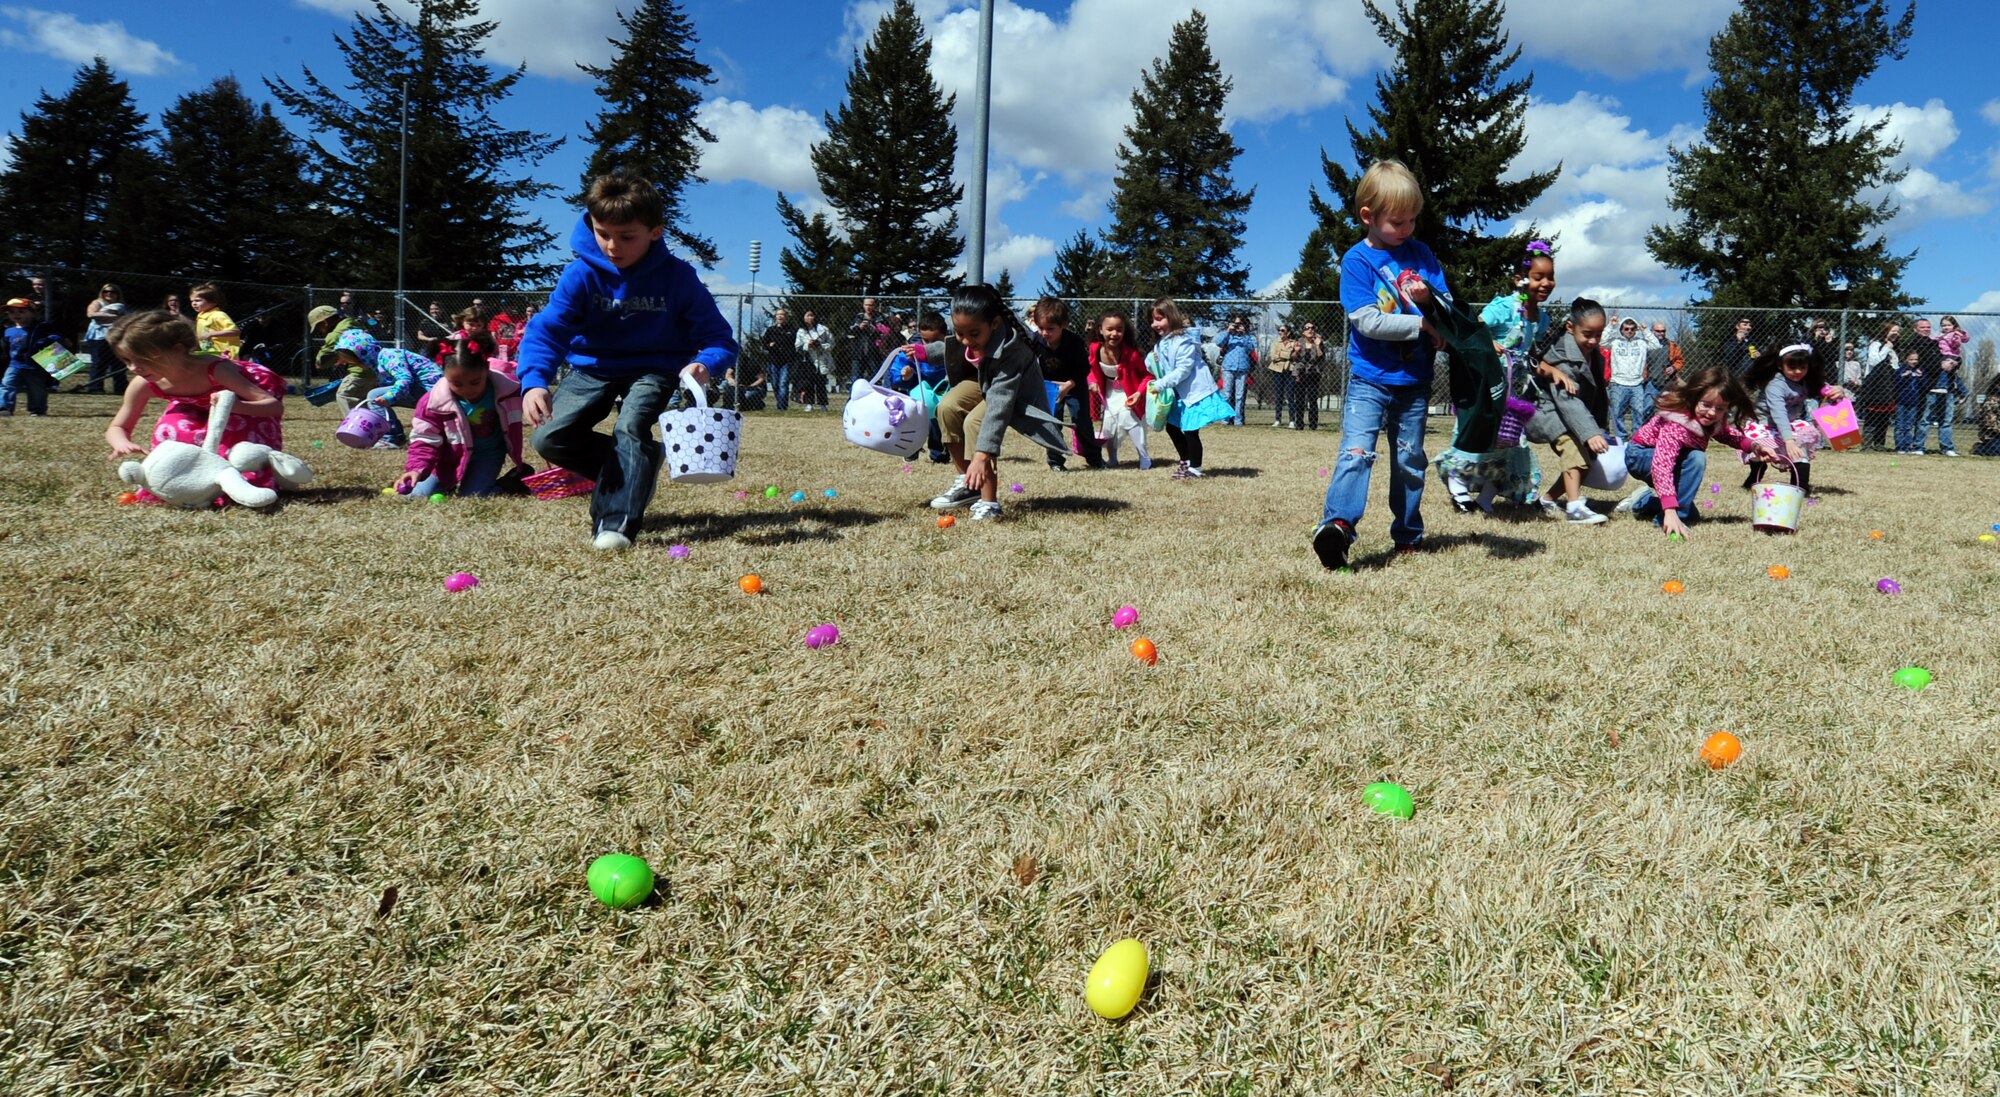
[{"x": 1368, "y": 411}]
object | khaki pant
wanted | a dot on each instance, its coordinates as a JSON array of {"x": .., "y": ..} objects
[
  {"x": 352, "y": 391},
  {"x": 961, "y": 412},
  {"x": 1570, "y": 454}
]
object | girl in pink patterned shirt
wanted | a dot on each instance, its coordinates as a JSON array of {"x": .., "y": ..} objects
[{"x": 1671, "y": 451}]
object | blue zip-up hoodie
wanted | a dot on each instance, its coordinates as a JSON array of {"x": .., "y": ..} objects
[
  {"x": 1236, "y": 353},
  {"x": 654, "y": 317}
]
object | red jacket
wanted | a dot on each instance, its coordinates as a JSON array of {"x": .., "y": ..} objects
[
  {"x": 441, "y": 439},
  {"x": 1132, "y": 377}
]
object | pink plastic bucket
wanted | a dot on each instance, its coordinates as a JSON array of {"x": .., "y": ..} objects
[{"x": 363, "y": 427}]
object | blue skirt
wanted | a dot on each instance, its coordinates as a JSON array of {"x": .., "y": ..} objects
[{"x": 1213, "y": 408}]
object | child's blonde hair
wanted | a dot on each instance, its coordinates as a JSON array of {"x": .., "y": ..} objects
[
  {"x": 1167, "y": 307},
  {"x": 1388, "y": 187},
  {"x": 151, "y": 333},
  {"x": 214, "y": 295}
]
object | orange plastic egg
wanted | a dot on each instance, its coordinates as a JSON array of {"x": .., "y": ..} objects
[
  {"x": 1721, "y": 749},
  {"x": 1144, "y": 651},
  {"x": 1875, "y": 535},
  {"x": 127, "y": 498},
  {"x": 1778, "y": 571},
  {"x": 947, "y": 521},
  {"x": 751, "y": 584},
  {"x": 1674, "y": 586}
]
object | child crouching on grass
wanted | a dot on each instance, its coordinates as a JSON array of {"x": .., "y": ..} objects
[
  {"x": 1570, "y": 411},
  {"x": 1670, "y": 451},
  {"x": 463, "y": 430},
  {"x": 1002, "y": 387}
]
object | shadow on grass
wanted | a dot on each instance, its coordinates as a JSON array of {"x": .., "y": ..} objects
[
  {"x": 320, "y": 497},
  {"x": 1075, "y": 504},
  {"x": 1498, "y": 546},
  {"x": 1230, "y": 473},
  {"x": 764, "y": 527}
]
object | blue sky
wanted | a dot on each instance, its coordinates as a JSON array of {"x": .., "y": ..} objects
[{"x": 1610, "y": 95}]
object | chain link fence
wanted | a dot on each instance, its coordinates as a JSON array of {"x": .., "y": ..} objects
[{"x": 1862, "y": 349}]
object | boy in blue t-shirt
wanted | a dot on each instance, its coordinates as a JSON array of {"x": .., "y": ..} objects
[
  {"x": 1391, "y": 349},
  {"x": 632, "y": 320}
]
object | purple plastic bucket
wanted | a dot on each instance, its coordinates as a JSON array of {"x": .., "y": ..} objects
[{"x": 363, "y": 427}]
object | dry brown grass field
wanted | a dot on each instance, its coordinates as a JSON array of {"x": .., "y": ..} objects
[{"x": 279, "y": 816}]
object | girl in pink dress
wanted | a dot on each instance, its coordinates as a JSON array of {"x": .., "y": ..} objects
[{"x": 160, "y": 349}]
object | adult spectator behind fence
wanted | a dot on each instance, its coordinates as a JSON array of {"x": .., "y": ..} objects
[
  {"x": 1308, "y": 377},
  {"x": 868, "y": 340},
  {"x": 1663, "y": 365},
  {"x": 1736, "y": 353},
  {"x": 1989, "y": 421},
  {"x": 104, "y": 310},
  {"x": 781, "y": 353},
  {"x": 1283, "y": 358},
  {"x": 815, "y": 344},
  {"x": 1238, "y": 349},
  {"x": 1629, "y": 345},
  {"x": 27, "y": 333}
]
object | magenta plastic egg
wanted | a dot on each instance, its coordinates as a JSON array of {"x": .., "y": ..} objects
[
  {"x": 1888, "y": 586},
  {"x": 678, "y": 552},
  {"x": 1126, "y": 617},
  {"x": 459, "y": 581}
]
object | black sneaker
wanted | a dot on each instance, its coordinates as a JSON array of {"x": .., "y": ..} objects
[{"x": 1331, "y": 542}]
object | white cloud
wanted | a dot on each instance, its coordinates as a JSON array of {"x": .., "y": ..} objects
[
  {"x": 64, "y": 36},
  {"x": 769, "y": 146},
  {"x": 1991, "y": 111},
  {"x": 549, "y": 36},
  {"x": 1985, "y": 302},
  {"x": 1017, "y": 255},
  {"x": 1925, "y": 133},
  {"x": 6, "y": 151},
  {"x": 1619, "y": 37}
]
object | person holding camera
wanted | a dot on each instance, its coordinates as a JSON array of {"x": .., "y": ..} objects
[{"x": 1239, "y": 357}]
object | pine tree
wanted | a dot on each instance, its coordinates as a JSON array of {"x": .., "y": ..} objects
[
  {"x": 820, "y": 263},
  {"x": 651, "y": 91},
  {"x": 886, "y": 164},
  {"x": 76, "y": 161},
  {"x": 243, "y": 210},
  {"x": 1082, "y": 268},
  {"x": 1317, "y": 277},
  {"x": 1445, "y": 110},
  {"x": 1004, "y": 285},
  {"x": 1177, "y": 215},
  {"x": 1771, "y": 202},
  {"x": 467, "y": 227}
]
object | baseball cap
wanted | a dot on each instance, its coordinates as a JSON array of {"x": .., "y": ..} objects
[
  {"x": 320, "y": 315},
  {"x": 20, "y": 303}
]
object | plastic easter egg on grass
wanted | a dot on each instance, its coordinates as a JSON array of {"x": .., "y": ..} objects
[
  {"x": 1721, "y": 749},
  {"x": 1145, "y": 651},
  {"x": 947, "y": 521},
  {"x": 830, "y": 493},
  {"x": 1888, "y": 586},
  {"x": 1016, "y": 488},
  {"x": 619, "y": 880},
  {"x": 404, "y": 489},
  {"x": 751, "y": 584},
  {"x": 127, "y": 498},
  {"x": 1874, "y": 535},
  {"x": 822, "y": 636},
  {"x": 1125, "y": 617},
  {"x": 798, "y": 497},
  {"x": 461, "y": 581},
  {"x": 1389, "y": 798},
  {"x": 1912, "y": 678},
  {"x": 771, "y": 492},
  {"x": 316, "y": 443},
  {"x": 743, "y": 495},
  {"x": 438, "y": 498},
  {"x": 678, "y": 552},
  {"x": 1987, "y": 538},
  {"x": 1116, "y": 980},
  {"x": 1778, "y": 571},
  {"x": 1715, "y": 489},
  {"x": 388, "y": 491},
  {"x": 1674, "y": 586}
]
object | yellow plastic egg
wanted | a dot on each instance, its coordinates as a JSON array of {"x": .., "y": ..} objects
[{"x": 1117, "y": 979}]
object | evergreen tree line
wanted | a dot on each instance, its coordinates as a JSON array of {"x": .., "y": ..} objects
[{"x": 219, "y": 188}]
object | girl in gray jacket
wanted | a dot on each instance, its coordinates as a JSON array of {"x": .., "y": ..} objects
[{"x": 1570, "y": 411}]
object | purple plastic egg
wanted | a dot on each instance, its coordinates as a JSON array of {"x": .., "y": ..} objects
[
  {"x": 1888, "y": 586},
  {"x": 679, "y": 552},
  {"x": 1016, "y": 488},
  {"x": 460, "y": 581},
  {"x": 821, "y": 636}
]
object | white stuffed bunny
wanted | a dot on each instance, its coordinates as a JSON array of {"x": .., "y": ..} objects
[{"x": 192, "y": 476}]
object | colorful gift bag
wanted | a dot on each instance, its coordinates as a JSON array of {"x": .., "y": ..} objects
[{"x": 1838, "y": 423}]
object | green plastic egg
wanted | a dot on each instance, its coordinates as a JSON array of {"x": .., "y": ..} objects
[
  {"x": 438, "y": 498},
  {"x": 771, "y": 492},
  {"x": 1913, "y": 678},
  {"x": 1389, "y": 798},
  {"x": 620, "y": 880}
]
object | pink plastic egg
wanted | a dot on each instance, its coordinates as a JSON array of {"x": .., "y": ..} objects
[
  {"x": 461, "y": 581},
  {"x": 1126, "y": 617}
]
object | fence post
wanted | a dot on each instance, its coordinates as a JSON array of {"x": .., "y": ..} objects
[{"x": 305, "y": 344}]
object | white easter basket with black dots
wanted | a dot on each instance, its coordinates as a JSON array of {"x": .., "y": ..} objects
[
  {"x": 884, "y": 420},
  {"x": 700, "y": 441}
]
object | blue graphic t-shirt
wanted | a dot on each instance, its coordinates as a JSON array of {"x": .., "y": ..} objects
[
  {"x": 1368, "y": 280},
  {"x": 483, "y": 417}
]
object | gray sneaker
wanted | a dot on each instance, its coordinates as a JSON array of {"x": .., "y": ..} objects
[
  {"x": 958, "y": 496},
  {"x": 610, "y": 540},
  {"x": 983, "y": 511},
  {"x": 1583, "y": 516}
]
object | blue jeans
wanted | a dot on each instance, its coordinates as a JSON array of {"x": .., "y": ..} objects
[
  {"x": 1283, "y": 394},
  {"x": 1236, "y": 390},
  {"x": 1688, "y": 474},
  {"x": 482, "y": 477},
  {"x": 1907, "y": 437},
  {"x": 31, "y": 377},
  {"x": 779, "y": 375},
  {"x": 1633, "y": 397},
  {"x": 389, "y": 407},
  {"x": 625, "y": 463},
  {"x": 1078, "y": 406},
  {"x": 1368, "y": 411},
  {"x": 1941, "y": 408}
]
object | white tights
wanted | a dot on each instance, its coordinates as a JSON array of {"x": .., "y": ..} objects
[{"x": 1138, "y": 435}]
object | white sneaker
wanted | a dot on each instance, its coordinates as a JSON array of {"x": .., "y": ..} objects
[
  {"x": 1583, "y": 516},
  {"x": 1627, "y": 504},
  {"x": 983, "y": 511},
  {"x": 610, "y": 540},
  {"x": 1951, "y": 453},
  {"x": 958, "y": 496},
  {"x": 1194, "y": 473}
]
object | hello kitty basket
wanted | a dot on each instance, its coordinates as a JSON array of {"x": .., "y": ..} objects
[
  {"x": 883, "y": 419},
  {"x": 1774, "y": 508},
  {"x": 701, "y": 441}
]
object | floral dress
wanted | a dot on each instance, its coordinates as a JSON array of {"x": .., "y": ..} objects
[
  {"x": 1511, "y": 472},
  {"x": 186, "y": 419}
]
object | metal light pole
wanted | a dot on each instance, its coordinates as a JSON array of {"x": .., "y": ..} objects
[
  {"x": 402, "y": 211},
  {"x": 982, "y": 114},
  {"x": 756, "y": 261}
]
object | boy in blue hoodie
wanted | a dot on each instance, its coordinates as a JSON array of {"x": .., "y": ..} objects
[{"x": 631, "y": 320}]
